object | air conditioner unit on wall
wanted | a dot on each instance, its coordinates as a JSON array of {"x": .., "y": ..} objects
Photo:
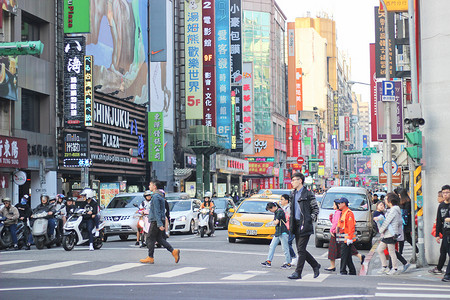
[{"x": 396, "y": 149}]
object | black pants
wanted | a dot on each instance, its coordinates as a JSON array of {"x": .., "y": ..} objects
[
  {"x": 408, "y": 238},
  {"x": 442, "y": 256},
  {"x": 156, "y": 235},
  {"x": 346, "y": 260},
  {"x": 303, "y": 254},
  {"x": 446, "y": 241},
  {"x": 399, "y": 257}
]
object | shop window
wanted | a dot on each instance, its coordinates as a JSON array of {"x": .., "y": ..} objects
[
  {"x": 30, "y": 111},
  {"x": 30, "y": 29}
]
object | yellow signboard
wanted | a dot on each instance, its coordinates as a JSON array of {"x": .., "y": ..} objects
[{"x": 395, "y": 5}]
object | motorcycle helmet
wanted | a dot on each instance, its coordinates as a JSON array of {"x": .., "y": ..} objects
[
  {"x": 148, "y": 193},
  {"x": 45, "y": 196},
  {"x": 208, "y": 195},
  {"x": 88, "y": 193}
]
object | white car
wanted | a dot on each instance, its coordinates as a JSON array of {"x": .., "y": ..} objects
[{"x": 184, "y": 215}]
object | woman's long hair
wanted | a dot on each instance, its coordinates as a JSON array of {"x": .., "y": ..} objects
[{"x": 404, "y": 197}]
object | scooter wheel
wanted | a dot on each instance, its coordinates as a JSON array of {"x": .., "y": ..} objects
[
  {"x": 68, "y": 242},
  {"x": 202, "y": 232},
  {"x": 39, "y": 242}
]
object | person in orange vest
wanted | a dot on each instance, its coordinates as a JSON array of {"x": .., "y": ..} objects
[{"x": 346, "y": 236}]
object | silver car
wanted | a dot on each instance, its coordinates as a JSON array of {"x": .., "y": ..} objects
[
  {"x": 184, "y": 215},
  {"x": 121, "y": 215},
  {"x": 358, "y": 202}
]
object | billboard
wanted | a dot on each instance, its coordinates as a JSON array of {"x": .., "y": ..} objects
[
  {"x": 13, "y": 152},
  {"x": 76, "y": 20},
  {"x": 118, "y": 41},
  {"x": 238, "y": 130},
  {"x": 223, "y": 92},
  {"x": 396, "y": 113},
  {"x": 158, "y": 28},
  {"x": 363, "y": 166},
  {"x": 209, "y": 63},
  {"x": 247, "y": 108},
  {"x": 76, "y": 149},
  {"x": 380, "y": 43},
  {"x": 291, "y": 69},
  {"x": 74, "y": 109},
  {"x": 264, "y": 145},
  {"x": 296, "y": 140},
  {"x": 8, "y": 77},
  {"x": 235, "y": 41},
  {"x": 299, "y": 89},
  {"x": 155, "y": 136}
]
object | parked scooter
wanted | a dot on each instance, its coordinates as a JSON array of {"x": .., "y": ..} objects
[
  {"x": 6, "y": 238},
  {"x": 39, "y": 231},
  {"x": 203, "y": 222},
  {"x": 76, "y": 233}
]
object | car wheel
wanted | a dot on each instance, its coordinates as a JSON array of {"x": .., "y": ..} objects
[
  {"x": 123, "y": 237},
  {"x": 319, "y": 243},
  {"x": 231, "y": 240},
  {"x": 192, "y": 227}
]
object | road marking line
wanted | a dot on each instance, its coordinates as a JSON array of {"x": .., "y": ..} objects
[
  {"x": 111, "y": 269},
  {"x": 244, "y": 276},
  {"x": 434, "y": 296},
  {"x": 411, "y": 284},
  {"x": 10, "y": 262},
  {"x": 443, "y": 289},
  {"x": 310, "y": 278},
  {"x": 177, "y": 272},
  {"x": 47, "y": 267}
]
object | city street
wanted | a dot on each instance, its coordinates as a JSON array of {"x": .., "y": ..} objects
[{"x": 209, "y": 268}]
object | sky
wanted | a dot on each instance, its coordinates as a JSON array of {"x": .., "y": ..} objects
[{"x": 355, "y": 30}]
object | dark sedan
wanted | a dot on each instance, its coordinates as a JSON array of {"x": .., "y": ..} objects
[{"x": 222, "y": 210}]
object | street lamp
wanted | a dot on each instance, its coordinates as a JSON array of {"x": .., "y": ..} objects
[{"x": 351, "y": 82}]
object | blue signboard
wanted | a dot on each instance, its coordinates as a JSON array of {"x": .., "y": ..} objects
[
  {"x": 334, "y": 142},
  {"x": 364, "y": 141},
  {"x": 223, "y": 77}
]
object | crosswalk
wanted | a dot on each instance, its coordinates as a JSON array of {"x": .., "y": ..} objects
[
  {"x": 413, "y": 291},
  {"x": 23, "y": 267}
]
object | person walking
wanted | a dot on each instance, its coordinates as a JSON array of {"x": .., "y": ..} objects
[
  {"x": 442, "y": 253},
  {"x": 405, "y": 207},
  {"x": 443, "y": 226},
  {"x": 157, "y": 218},
  {"x": 390, "y": 230},
  {"x": 304, "y": 211},
  {"x": 284, "y": 203},
  {"x": 345, "y": 236},
  {"x": 281, "y": 234}
]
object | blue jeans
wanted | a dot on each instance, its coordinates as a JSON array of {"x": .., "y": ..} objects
[
  {"x": 51, "y": 226},
  {"x": 290, "y": 240},
  {"x": 284, "y": 244},
  {"x": 13, "y": 230}
]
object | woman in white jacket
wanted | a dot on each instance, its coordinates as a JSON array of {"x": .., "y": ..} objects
[{"x": 390, "y": 230}]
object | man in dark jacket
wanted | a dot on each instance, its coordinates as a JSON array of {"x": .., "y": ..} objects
[
  {"x": 11, "y": 215},
  {"x": 304, "y": 211},
  {"x": 50, "y": 210},
  {"x": 443, "y": 226},
  {"x": 24, "y": 214},
  {"x": 91, "y": 218},
  {"x": 157, "y": 218}
]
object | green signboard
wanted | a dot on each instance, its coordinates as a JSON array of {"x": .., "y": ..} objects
[
  {"x": 77, "y": 16},
  {"x": 155, "y": 136}
]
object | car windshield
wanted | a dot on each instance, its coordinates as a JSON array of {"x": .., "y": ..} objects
[
  {"x": 125, "y": 201},
  {"x": 220, "y": 203},
  {"x": 355, "y": 201},
  {"x": 253, "y": 207},
  {"x": 179, "y": 205},
  {"x": 275, "y": 192},
  {"x": 176, "y": 196}
]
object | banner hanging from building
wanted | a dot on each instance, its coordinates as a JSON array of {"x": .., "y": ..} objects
[
  {"x": 158, "y": 28},
  {"x": 76, "y": 16},
  {"x": 74, "y": 101},
  {"x": 380, "y": 43},
  {"x": 88, "y": 92},
  {"x": 236, "y": 41},
  {"x": 291, "y": 71},
  {"x": 223, "y": 103},
  {"x": 247, "y": 108},
  {"x": 299, "y": 89},
  {"x": 209, "y": 63},
  {"x": 193, "y": 56},
  {"x": 155, "y": 136},
  {"x": 296, "y": 140},
  {"x": 238, "y": 130}
]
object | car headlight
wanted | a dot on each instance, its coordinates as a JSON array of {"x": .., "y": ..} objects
[
  {"x": 235, "y": 222},
  {"x": 270, "y": 224},
  {"x": 181, "y": 218},
  {"x": 324, "y": 222},
  {"x": 221, "y": 215}
]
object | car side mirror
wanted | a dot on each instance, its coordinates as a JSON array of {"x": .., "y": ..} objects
[{"x": 231, "y": 210}]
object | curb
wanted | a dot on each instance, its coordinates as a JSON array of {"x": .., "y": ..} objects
[{"x": 365, "y": 267}]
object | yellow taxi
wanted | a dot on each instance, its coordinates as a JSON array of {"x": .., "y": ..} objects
[{"x": 251, "y": 220}]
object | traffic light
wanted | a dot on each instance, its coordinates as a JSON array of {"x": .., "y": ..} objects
[
  {"x": 415, "y": 139},
  {"x": 21, "y": 48}
]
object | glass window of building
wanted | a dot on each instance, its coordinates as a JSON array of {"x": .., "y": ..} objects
[
  {"x": 30, "y": 29},
  {"x": 30, "y": 111}
]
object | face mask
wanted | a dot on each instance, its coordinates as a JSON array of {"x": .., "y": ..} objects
[{"x": 23, "y": 201}]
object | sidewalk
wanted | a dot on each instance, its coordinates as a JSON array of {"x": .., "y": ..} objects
[{"x": 373, "y": 263}]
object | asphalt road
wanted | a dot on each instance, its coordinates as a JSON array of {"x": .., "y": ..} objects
[{"x": 209, "y": 268}]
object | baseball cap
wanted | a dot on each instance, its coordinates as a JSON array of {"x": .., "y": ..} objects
[{"x": 342, "y": 200}]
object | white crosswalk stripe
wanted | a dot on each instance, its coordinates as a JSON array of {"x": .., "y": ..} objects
[
  {"x": 415, "y": 291},
  {"x": 46, "y": 267},
  {"x": 310, "y": 278},
  {"x": 11, "y": 262},
  {"x": 111, "y": 269},
  {"x": 177, "y": 272},
  {"x": 244, "y": 276}
]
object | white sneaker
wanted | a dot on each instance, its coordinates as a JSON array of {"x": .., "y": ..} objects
[
  {"x": 392, "y": 272},
  {"x": 91, "y": 247},
  {"x": 383, "y": 270},
  {"x": 294, "y": 261}
]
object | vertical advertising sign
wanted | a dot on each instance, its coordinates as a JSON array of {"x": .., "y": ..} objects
[
  {"x": 193, "y": 56},
  {"x": 365, "y": 140},
  {"x": 322, "y": 153},
  {"x": 76, "y": 150},
  {"x": 341, "y": 128},
  {"x": 223, "y": 103},
  {"x": 88, "y": 92},
  {"x": 76, "y": 16},
  {"x": 335, "y": 111},
  {"x": 291, "y": 70},
  {"x": 296, "y": 140},
  {"x": 347, "y": 128},
  {"x": 363, "y": 166},
  {"x": 239, "y": 126},
  {"x": 247, "y": 108},
  {"x": 236, "y": 41},
  {"x": 373, "y": 96},
  {"x": 396, "y": 112},
  {"x": 155, "y": 136},
  {"x": 209, "y": 61},
  {"x": 74, "y": 51},
  {"x": 380, "y": 43},
  {"x": 158, "y": 28},
  {"x": 299, "y": 89}
]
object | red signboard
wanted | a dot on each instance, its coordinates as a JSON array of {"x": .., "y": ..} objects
[
  {"x": 260, "y": 168},
  {"x": 13, "y": 152},
  {"x": 306, "y": 173},
  {"x": 396, "y": 178},
  {"x": 347, "y": 129},
  {"x": 296, "y": 140},
  {"x": 299, "y": 89},
  {"x": 209, "y": 76}
]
